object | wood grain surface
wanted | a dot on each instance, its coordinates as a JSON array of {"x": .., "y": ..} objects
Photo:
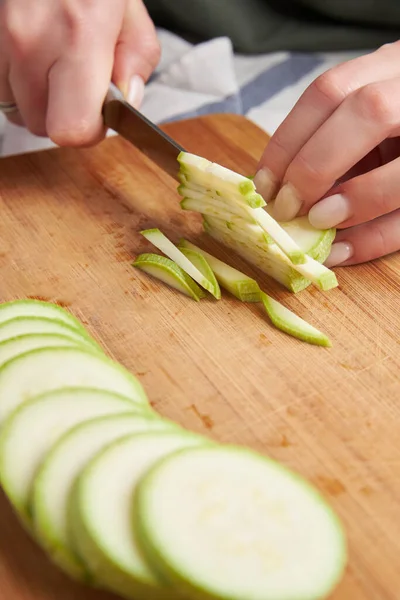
[{"x": 69, "y": 232}]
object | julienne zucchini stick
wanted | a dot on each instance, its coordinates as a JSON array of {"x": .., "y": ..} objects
[
  {"x": 238, "y": 284},
  {"x": 169, "y": 272},
  {"x": 160, "y": 241},
  {"x": 242, "y": 287},
  {"x": 287, "y": 321}
]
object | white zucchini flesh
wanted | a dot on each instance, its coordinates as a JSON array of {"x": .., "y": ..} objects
[
  {"x": 38, "y": 308},
  {"x": 102, "y": 506},
  {"x": 45, "y": 369},
  {"x": 160, "y": 241},
  {"x": 222, "y": 181},
  {"x": 23, "y": 325},
  {"x": 280, "y": 236},
  {"x": 35, "y": 426},
  {"x": 201, "y": 202},
  {"x": 213, "y": 209},
  {"x": 23, "y": 343},
  {"x": 56, "y": 477},
  {"x": 305, "y": 235},
  {"x": 225, "y": 523},
  {"x": 247, "y": 232}
]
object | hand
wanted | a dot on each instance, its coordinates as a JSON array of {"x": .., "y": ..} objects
[
  {"x": 336, "y": 157},
  {"x": 57, "y": 59}
]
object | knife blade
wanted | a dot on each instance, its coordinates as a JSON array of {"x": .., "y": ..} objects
[{"x": 128, "y": 122}]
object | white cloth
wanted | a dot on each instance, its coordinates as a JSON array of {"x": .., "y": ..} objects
[{"x": 209, "y": 77}]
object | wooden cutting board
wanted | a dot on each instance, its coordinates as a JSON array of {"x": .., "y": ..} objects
[{"x": 69, "y": 232}]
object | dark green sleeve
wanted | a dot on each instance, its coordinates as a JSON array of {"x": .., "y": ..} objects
[{"x": 256, "y": 26}]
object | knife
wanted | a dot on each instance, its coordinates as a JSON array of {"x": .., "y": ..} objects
[{"x": 128, "y": 122}]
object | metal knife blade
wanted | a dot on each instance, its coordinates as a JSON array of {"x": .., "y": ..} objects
[{"x": 141, "y": 132}]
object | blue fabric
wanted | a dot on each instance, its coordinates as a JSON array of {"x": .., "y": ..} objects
[{"x": 262, "y": 88}]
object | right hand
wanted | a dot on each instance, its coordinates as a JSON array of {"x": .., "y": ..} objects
[
  {"x": 57, "y": 59},
  {"x": 336, "y": 157}
]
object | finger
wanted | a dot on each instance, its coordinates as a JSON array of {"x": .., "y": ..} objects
[
  {"x": 361, "y": 122},
  {"x": 360, "y": 199},
  {"x": 366, "y": 242},
  {"x": 79, "y": 79},
  {"x": 30, "y": 59},
  {"x": 384, "y": 153},
  {"x": 137, "y": 52},
  {"x": 6, "y": 94},
  {"x": 316, "y": 104}
]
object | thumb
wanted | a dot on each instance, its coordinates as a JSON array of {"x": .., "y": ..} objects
[{"x": 137, "y": 52}]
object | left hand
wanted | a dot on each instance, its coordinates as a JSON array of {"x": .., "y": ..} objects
[{"x": 336, "y": 157}]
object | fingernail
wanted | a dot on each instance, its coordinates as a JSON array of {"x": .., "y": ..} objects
[
  {"x": 287, "y": 203},
  {"x": 340, "y": 252},
  {"x": 329, "y": 212},
  {"x": 135, "y": 91},
  {"x": 265, "y": 183}
]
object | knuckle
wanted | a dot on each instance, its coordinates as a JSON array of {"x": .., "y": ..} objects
[
  {"x": 20, "y": 38},
  {"x": 301, "y": 169},
  {"x": 380, "y": 244},
  {"x": 80, "y": 19},
  {"x": 152, "y": 50},
  {"x": 329, "y": 85},
  {"x": 82, "y": 134},
  {"x": 374, "y": 104},
  {"x": 74, "y": 18},
  {"x": 389, "y": 48}
]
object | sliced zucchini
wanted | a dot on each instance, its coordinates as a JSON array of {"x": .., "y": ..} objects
[
  {"x": 101, "y": 516},
  {"x": 280, "y": 236},
  {"x": 167, "y": 271},
  {"x": 227, "y": 182},
  {"x": 249, "y": 233},
  {"x": 311, "y": 240},
  {"x": 200, "y": 262},
  {"x": 38, "y": 308},
  {"x": 269, "y": 263},
  {"x": 36, "y": 425},
  {"x": 24, "y": 325},
  {"x": 46, "y": 369},
  {"x": 275, "y": 263},
  {"x": 160, "y": 241},
  {"x": 225, "y": 523},
  {"x": 56, "y": 476},
  {"x": 238, "y": 284},
  {"x": 210, "y": 198},
  {"x": 211, "y": 176},
  {"x": 22, "y": 343},
  {"x": 287, "y": 321},
  {"x": 214, "y": 208}
]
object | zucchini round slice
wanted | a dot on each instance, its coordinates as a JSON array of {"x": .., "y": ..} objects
[
  {"x": 23, "y": 325},
  {"x": 56, "y": 477},
  {"x": 226, "y": 523},
  {"x": 35, "y": 426},
  {"x": 47, "y": 369},
  {"x": 38, "y": 308},
  {"x": 102, "y": 507}
]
